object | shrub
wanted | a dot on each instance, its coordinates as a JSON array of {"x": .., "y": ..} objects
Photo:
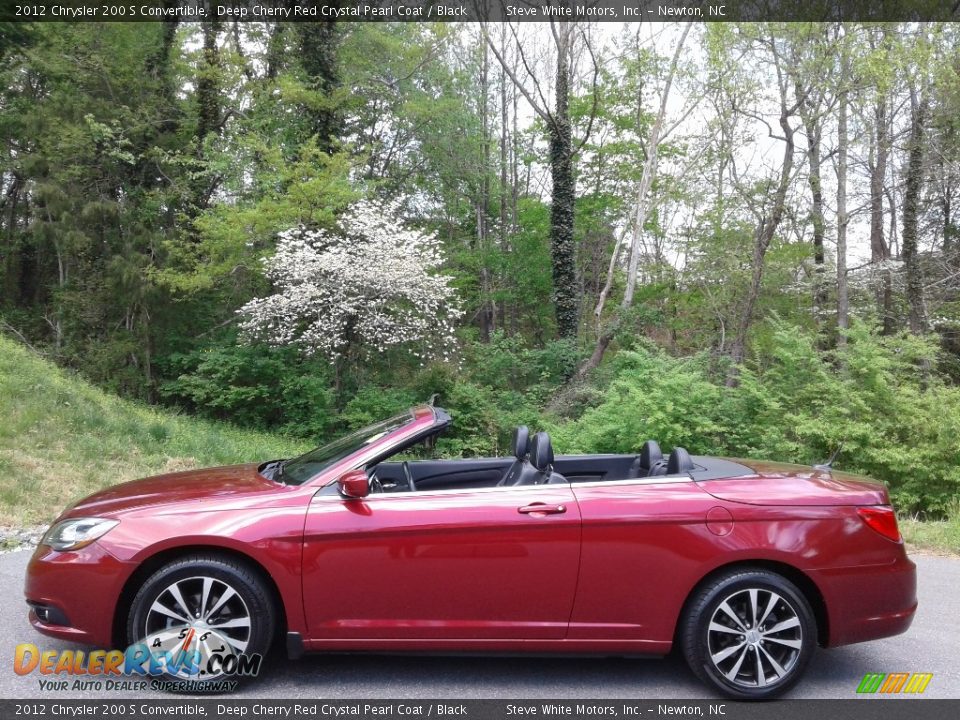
[
  {"x": 255, "y": 386},
  {"x": 898, "y": 420}
]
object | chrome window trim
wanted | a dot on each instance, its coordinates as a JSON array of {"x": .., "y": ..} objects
[{"x": 627, "y": 482}]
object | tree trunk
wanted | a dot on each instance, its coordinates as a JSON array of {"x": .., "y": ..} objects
[
  {"x": 208, "y": 86},
  {"x": 57, "y": 323},
  {"x": 813, "y": 128},
  {"x": 950, "y": 230},
  {"x": 565, "y": 295},
  {"x": 504, "y": 160},
  {"x": 562, "y": 207},
  {"x": 762, "y": 237},
  {"x": 879, "y": 249},
  {"x": 276, "y": 50},
  {"x": 208, "y": 115},
  {"x": 605, "y": 334},
  {"x": 911, "y": 202},
  {"x": 843, "y": 303},
  {"x": 483, "y": 209},
  {"x": 318, "y": 57}
]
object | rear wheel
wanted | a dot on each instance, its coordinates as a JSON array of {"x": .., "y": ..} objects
[
  {"x": 749, "y": 634},
  {"x": 202, "y": 614}
]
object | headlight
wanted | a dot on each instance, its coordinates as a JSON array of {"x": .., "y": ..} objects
[{"x": 76, "y": 533}]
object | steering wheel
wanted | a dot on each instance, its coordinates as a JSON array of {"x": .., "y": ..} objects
[
  {"x": 375, "y": 485},
  {"x": 408, "y": 475}
]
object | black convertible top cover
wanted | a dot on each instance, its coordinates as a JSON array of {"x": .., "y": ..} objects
[{"x": 714, "y": 468}]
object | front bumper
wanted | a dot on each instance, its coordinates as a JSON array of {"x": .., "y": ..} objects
[
  {"x": 869, "y": 602},
  {"x": 73, "y": 595}
]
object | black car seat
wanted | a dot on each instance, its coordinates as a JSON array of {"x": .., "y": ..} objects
[
  {"x": 539, "y": 470},
  {"x": 679, "y": 462},
  {"x": 541, "y": 457},
  {"x": 521, "y": 448},
  {"x": 649, "y": 462}
]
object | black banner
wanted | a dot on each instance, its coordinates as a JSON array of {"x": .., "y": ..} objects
[
  {"x": 478, "y": 10},
  {"x": 309, "y": 709}
]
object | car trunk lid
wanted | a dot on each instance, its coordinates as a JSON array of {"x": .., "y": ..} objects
[{"x": 783, "y": 484}]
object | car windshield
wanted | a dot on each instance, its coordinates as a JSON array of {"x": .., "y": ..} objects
[{"x": 298, "y": 470}]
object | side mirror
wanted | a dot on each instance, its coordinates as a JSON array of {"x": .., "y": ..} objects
[{"x": 354, "y": 484}]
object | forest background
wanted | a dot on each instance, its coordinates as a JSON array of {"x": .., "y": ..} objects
[{"x": 738, "y": 238}]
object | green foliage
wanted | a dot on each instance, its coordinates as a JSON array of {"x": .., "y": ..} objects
[
  {"x": 147, "y": 168},
  {"x": 652, "y": 396},
  {"x": 507, "y": 363},
  {"x": 476, "y": 422},
  {"x": 311, "y": 189},
  {"x": 372, "y": 404},
  {"x": 255, "y": 386},
  {"x": 897, "y": 420}
]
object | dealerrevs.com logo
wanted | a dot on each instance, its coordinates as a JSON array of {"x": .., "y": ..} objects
[
  {"x": 187, "y": 660},
  {"x": 894, "y": 683}
]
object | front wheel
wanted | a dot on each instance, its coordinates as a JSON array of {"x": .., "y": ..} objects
[
  {"x": 749, "y": 634},
  {"x": 202, "y": 619}
]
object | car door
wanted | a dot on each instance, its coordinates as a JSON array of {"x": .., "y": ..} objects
[
  {"x": 643, "y": 543},
  {"x": 474, "y": 564}
]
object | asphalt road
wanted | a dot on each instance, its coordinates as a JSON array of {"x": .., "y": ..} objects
[{"x": 931, "y": 645}]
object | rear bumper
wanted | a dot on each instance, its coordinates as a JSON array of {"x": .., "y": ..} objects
[
  {"x": 73, "y": 595},
  {"x": 869, "y": 602}
]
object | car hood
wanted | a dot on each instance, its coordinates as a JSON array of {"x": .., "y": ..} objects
[
  {"x": 211, "y": 484},
  {"x": 782, "y": 484}
]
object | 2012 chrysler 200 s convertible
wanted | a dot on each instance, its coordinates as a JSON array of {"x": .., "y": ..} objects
[{"x": 747, "y": 566}]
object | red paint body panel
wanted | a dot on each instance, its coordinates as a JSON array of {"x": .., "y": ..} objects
[
  {"x": 440, "y": 566},
  {"x": 193, "y": 489},
  {"x": 639, "y": 541},
  {"x": 83, "y": 584},
  {"x": 781, "y": 484},
  {"x": 590, "y": 567}
]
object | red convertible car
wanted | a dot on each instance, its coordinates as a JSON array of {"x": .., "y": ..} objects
[{"x": 746, "y": 566}]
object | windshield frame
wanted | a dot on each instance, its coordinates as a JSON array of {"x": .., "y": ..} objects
[{"x": 371, "y": 442}]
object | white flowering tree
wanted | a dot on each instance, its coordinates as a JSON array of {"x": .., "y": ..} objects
[{"x": 370, "y": 286}]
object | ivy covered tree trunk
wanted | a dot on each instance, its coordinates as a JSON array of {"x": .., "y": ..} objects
[
  {"x": 318, "y": 57},
  {"x": 911, "y": 202},
  {"x": 208, "y": 86},
  {"x": 565, "y": 295},
  {"x": 209, "y": 117}
]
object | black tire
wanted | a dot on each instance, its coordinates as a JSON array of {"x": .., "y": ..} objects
[
  {"x": 744, "y": 657},
  {"x": 204, "y": 581}
]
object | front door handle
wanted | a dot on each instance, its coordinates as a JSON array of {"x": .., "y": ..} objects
[{"x": 542, "y": 509}]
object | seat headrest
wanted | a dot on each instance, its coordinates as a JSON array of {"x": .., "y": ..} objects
[
  {"x": 649, "y": 454},
  {"x": 679, "y": 462},
  {"x": 541, "y": 451},
  {"x": 521, "y": 442}
]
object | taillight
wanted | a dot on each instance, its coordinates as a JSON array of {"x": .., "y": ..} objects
[{"x": 881, "y": 519}]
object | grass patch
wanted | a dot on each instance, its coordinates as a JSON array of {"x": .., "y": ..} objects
[
  {"x": 942, "y": 536},
  {"x": 62, "y": 439}
]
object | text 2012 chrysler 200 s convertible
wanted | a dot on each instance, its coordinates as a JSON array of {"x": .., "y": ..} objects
[{"x": 746, "y": 565}]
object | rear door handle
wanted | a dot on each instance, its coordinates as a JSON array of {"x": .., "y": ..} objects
[{"x": 542, "y": 509}]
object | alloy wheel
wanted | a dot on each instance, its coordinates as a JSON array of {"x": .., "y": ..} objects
[
  {"x": 201, "y": 604},
  {"x": 754, "y": 638}
]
